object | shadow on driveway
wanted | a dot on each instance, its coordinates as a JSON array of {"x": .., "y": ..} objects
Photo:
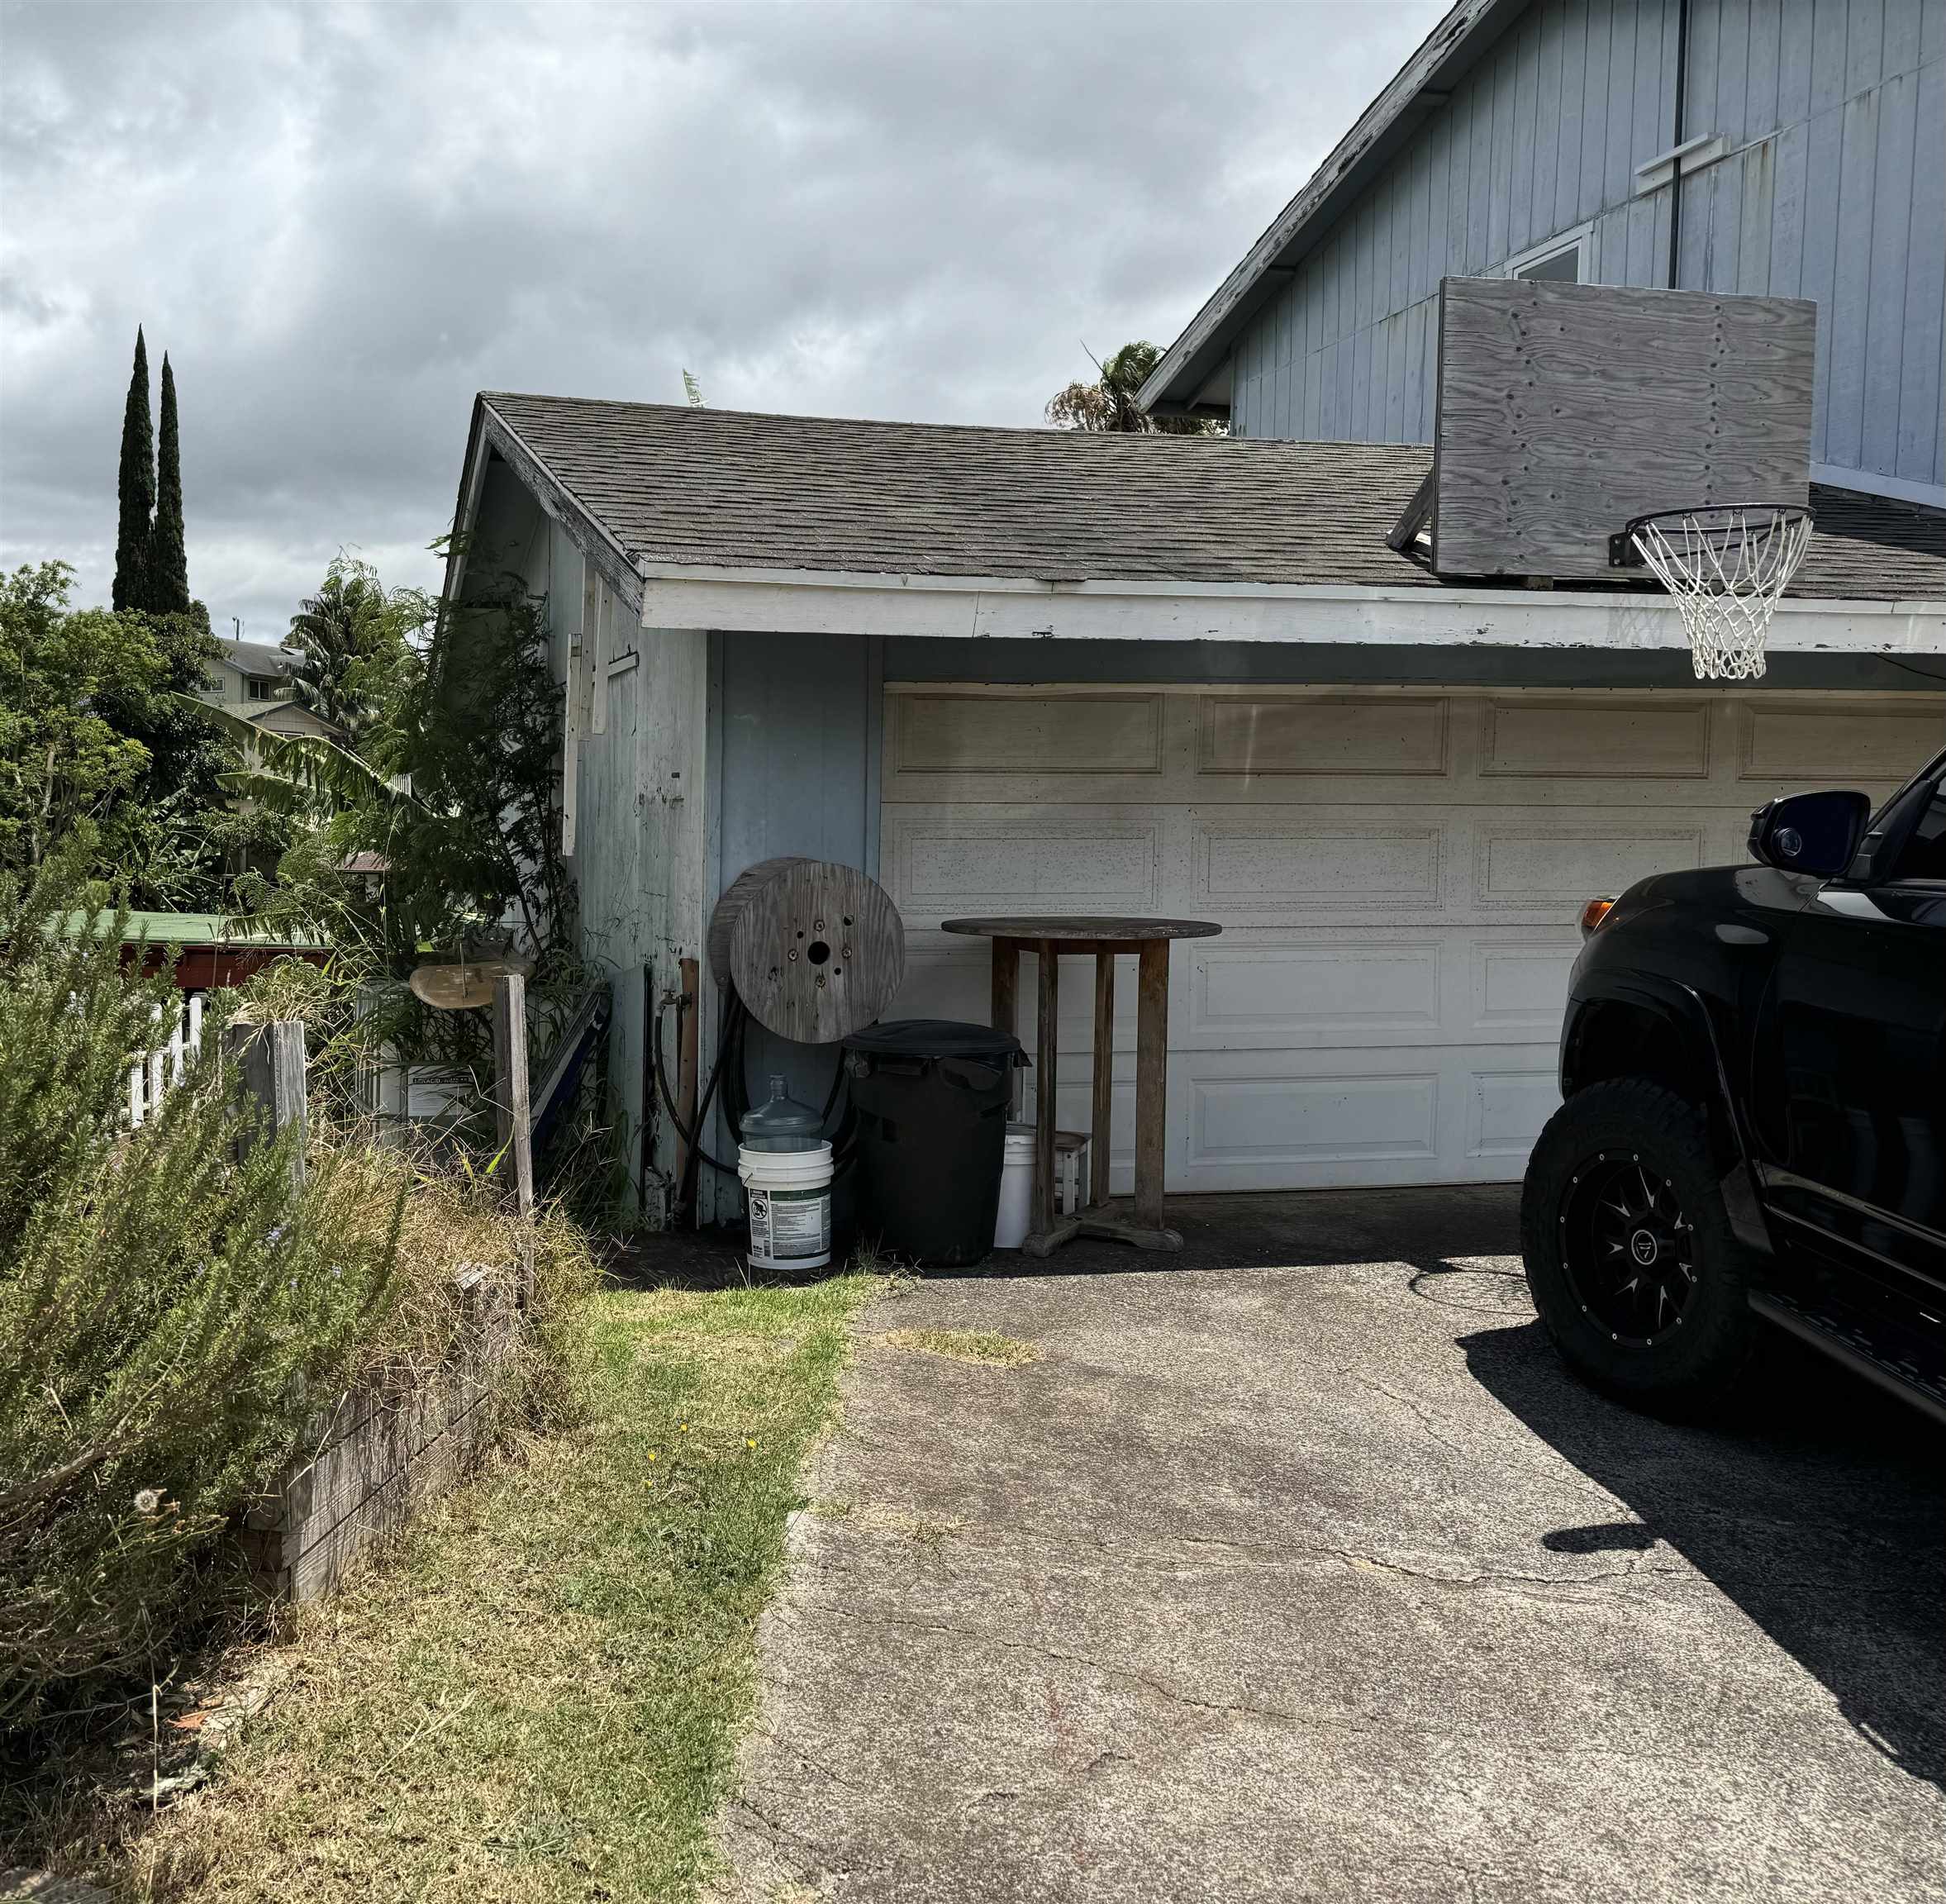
[{"x": 1816, "y": 1504}]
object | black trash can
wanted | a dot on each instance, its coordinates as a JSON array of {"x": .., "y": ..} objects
[{"x": 930, "y": 1099}]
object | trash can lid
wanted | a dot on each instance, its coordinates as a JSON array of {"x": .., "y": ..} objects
[{"x": 934, "y": 1038}]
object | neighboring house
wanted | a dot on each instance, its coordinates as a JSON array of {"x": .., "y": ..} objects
[
  {"x": 254, "y": 680},
  {"x": 1026, "y": 670},
  {"x": 1768, "y": 146}
]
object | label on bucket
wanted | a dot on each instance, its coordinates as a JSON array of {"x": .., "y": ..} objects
[{"x": 786, "y": 1224}]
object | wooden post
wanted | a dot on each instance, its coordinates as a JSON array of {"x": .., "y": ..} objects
[
  {"x": 510, "y": 1084},
  {"x": 1047, "y": 1047},
  {"x": 1006, "y": 1006},
  {"x": 271, "y": 1060},
  {"x": 1152, "y": 1077},
  {"x": 1104, "y": 1109},
  {"x": 687, "y": 1041}
]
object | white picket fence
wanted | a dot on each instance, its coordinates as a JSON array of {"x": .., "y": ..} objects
[{"x": 150, "y": 1079}]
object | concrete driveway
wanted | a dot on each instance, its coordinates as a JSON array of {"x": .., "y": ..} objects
[{"x": 1299, "y": 1568}]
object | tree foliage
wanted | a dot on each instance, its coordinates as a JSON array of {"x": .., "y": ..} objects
[
  {"x": 1108, "y": 404},
  {"x": 166, "y": 590},
  {"x": 350, "y": 639},
  {"x": 99, "y": 728},
  {"x": 135, "y": 488},
  {"x": 64, "y": 764}
]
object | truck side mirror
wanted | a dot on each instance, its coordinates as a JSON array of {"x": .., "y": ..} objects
[{"x": 1814, "y": 833}]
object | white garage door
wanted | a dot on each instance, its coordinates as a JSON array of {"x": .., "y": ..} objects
[{"x": 1397, "y": 874}]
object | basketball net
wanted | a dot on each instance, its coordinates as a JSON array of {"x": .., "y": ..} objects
[{"x": 1726, "y": 569}]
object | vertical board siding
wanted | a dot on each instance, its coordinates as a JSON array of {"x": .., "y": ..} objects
[{"x": 1832, "y": 188}]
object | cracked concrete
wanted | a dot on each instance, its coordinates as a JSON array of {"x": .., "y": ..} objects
[{"x": 1299, "y": 1569}]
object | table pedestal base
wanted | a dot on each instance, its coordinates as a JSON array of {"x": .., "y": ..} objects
[{"x": 1108, "y": 1223}]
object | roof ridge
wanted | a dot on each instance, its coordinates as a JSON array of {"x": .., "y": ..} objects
[{"x": 704, "y": 414}]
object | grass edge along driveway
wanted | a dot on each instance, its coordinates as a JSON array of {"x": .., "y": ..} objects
[{"x": 541, "y": 1695}]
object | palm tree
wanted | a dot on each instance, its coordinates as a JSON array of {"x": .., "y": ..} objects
[
  {"x": 338, "y": 634},
  {"x": 1109, "y": 403}
]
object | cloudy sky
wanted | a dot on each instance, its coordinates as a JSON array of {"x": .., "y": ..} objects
[{"x": 342, "y": 222}]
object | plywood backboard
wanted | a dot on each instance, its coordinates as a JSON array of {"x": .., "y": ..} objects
[{"x": 1566, "y": 409}]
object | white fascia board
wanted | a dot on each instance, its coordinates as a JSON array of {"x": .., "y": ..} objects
[{"x": 760, "y": 601}]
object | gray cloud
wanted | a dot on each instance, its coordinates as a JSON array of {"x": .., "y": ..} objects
[{"x": 342, "y": 223}]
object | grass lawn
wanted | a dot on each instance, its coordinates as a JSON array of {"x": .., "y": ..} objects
[{"x": 540, "y": 1696}]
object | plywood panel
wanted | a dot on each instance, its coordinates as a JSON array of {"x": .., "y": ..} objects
[
  {"x": 1566, "y": 409},
  {"x": 964, "y": 734},
  {"x": 1586, "y": 739},
  {"x": 1329, "y": 734}
]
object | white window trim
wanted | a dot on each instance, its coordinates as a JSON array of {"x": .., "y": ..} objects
[{"x": 1580, "y": 238}]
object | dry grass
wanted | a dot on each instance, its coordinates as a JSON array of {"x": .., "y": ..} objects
[
  {"x": 980, "y": 1345},
  {"x": 448, "y": 1218},
  {"x": 540, "y": 1698}
]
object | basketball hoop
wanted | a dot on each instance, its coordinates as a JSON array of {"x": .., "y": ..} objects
[{"x": 1726, "y": 568}]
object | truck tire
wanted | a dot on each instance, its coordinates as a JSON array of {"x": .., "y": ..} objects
[{"x": 1628, "y": 1250}]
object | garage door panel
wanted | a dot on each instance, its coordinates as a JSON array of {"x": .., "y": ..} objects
[
  {"x": 984, "y": 737},
  {"x": 1272, "y": 861},
  {"x": 1022, "y": 859},
  {"x": 1794, "y": 746},
  {"x": 1551, "y": 863},
  {"x": 1309, "y": 991},
  {"x": 1324, "y": 733},
  {"x": 1519, "y": 986},
  {"x": 1287, "y": 1117},
  {"x": 1506, "y": 1108},
  {"x": 1569, "y": 738}
]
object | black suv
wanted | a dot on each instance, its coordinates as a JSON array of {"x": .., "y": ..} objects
[{"x": 1753, "y": 1064}]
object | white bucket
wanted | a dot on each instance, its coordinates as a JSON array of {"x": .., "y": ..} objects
[
  {"x": 789, "y": 1193},
  {"x": 1017, "y": 1189}
]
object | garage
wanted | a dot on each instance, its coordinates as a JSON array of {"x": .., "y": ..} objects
[{"x": 1397, "y": 872}]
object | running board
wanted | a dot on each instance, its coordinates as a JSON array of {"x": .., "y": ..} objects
[{"x": 1845, "y": 1341}]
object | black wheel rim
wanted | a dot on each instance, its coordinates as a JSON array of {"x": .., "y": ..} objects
[{"x": 1628, "y": 1250}]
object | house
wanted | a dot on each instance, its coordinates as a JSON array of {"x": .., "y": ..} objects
[
  {"x": 1765, "y": 147},
  {"x": 1011, "y": 670},
  {"x": 1024, "y": 670},
  {"x": 253, "y": 680}
]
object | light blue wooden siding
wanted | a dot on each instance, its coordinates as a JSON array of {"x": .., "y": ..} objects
[
  {"x": 798, "y": 773},
  {"x": 1834, "y": 187}
]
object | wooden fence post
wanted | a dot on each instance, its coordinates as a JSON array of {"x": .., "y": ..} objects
[
  {"x": 271, "y": 1060},
  {"x": 511, "y": 1106}
]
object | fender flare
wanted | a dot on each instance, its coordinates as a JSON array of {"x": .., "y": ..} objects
[{"x": 1687, "y": 1011}]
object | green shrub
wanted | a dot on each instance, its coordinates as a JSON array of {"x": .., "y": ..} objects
[{"x": 169, "y": 1316}]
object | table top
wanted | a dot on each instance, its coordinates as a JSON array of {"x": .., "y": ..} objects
[{"x": 1107, "y": 929}]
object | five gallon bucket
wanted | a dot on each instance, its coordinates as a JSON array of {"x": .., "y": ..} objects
[
  {"x": 789, "y": 1194},
  {"x": 1017, "y": 1189}
]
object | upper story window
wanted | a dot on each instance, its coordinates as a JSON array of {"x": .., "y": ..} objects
[
  {"x": 262, "y": 687},
  {"x": 1568, "y": 258}
]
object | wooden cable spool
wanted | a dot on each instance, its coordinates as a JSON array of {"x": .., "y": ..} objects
[{"x": 815, "y": 950}]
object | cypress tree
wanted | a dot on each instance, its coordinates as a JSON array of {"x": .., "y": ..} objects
[
  {"x": 136, "y": 488},
  {"x": 167, "y": 580}
]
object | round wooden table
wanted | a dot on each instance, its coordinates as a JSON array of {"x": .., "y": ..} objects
[{"x": 1049, "y": 937}]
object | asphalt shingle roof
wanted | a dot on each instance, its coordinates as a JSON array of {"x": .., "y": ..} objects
[{"x": 737, "y": 489}]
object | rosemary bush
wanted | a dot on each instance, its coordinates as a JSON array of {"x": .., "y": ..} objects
[{"x": 168, "y": 1313}]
